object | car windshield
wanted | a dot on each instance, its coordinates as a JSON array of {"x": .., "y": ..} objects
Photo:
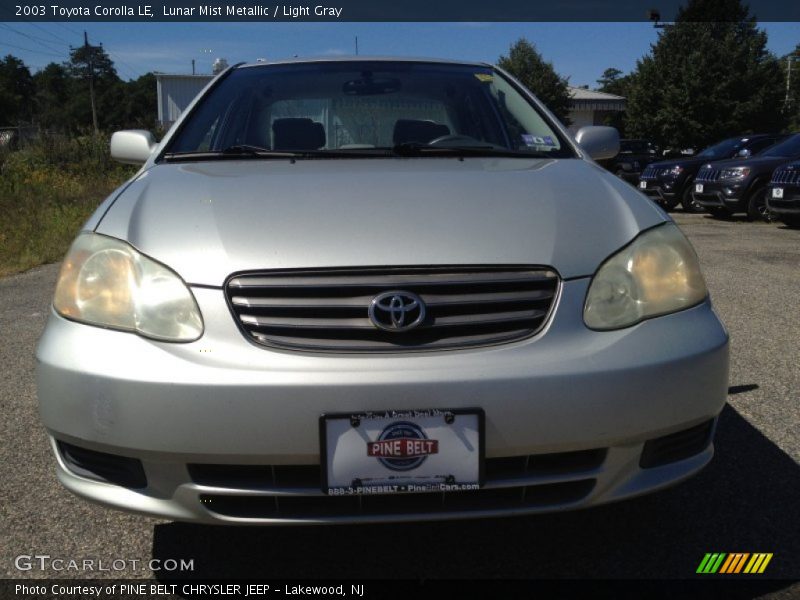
[
  {"x": 789, "y": 148},
  {"x": 724, "y": 149},
  {"x": 365, "y": 108}
]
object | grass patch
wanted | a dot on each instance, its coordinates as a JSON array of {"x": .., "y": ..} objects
[{"x": 47, "y": 191}]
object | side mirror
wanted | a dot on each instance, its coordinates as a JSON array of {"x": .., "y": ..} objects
[
  {"x": 598, "y": 142},
  {"x": 744, "y": 153},
  {"x": 132, "y": 147}
]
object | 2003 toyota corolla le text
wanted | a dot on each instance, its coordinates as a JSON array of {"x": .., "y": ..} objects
[{"x": 376, "y": 289}]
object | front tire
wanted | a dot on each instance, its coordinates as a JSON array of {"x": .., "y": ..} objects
[
  {"x": 757, "y": 209},
  {"x": 688, "y": 203}
]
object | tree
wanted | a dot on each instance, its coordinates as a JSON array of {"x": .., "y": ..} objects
[
  {"x": 612, "y": 81},
  {"x": 53, "y": 89},
  {"x": 792, "y": 94},
  {"x": 92, "y": 65},
  {"x": 526, "y": 64},
  {"x": 705, "y": 79},
  {"x": 16, "y": 91}
]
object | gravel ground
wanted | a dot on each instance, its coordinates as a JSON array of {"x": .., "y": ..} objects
[{"x": 746, "y": 500}]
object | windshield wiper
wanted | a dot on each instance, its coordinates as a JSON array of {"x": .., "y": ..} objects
[
  {"x": 231, "y": 152},
  {"x": 418, "y": 149},
  {"x": 245, "y": 151}
]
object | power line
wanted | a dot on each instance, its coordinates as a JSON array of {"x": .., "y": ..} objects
[
  {"x": 33, "y": 38},
  {"x": 129, "y": 68},
  {"x": 70, "y": 29},
  {"x": 30, "y": 49},
  {"x": 50, "y": 33}
]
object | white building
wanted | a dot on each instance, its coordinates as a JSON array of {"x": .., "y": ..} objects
[
  {"x": 592, "y": 108},
  {"x": 175, "y": 92}
]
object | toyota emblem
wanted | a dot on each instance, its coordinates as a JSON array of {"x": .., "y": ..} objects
[{"x": 397, "y": 311}]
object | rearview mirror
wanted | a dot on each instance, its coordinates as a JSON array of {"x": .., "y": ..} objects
[
  {"x": 599, "y": 142},
  {"x": 132, "y": 147}
]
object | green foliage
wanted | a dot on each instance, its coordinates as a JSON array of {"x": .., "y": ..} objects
[
  {"x": 792, "y": 103},
  {"x": 57, "y": 97},
  {"x": 16, "y": 90},
  {"x": 705, "y": 80},
  {"x": 526, "y": 64},
  {"x": 47, "y": 191}
]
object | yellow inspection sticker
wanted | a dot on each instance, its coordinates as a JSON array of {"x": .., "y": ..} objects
[{"x": 484, "y": 77}]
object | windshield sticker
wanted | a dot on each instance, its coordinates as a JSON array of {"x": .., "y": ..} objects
[
  {"x": 484, "y": 77},
  {"x": 537, "y": 140}
]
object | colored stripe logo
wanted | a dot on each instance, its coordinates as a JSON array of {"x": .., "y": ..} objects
[{"x": 734, "y": 563}]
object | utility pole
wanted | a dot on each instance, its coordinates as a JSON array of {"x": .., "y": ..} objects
[
  {"x": 356, "y": 45},
  {"x": 90, "y": 53}
]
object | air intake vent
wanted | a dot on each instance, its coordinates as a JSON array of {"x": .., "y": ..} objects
[
  {"x": 677, "y": 446},
  {"x": 100, "y": 466},
  {"x": 328, "y": 310}
]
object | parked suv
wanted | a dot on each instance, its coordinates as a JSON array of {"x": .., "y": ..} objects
[
  {"x": 783, "y": 194},
  {"x": 671, "y": 182},
  {"x": 350, "y": 290},
  {"x": 634, "y": 155},
  {"x": 740, "y": 185}
]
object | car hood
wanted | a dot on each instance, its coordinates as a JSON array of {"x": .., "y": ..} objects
[
  {"x": 207, "y": 220},
  {"x": 756, "y": 163},
  {"x": 679, "y": 162}
]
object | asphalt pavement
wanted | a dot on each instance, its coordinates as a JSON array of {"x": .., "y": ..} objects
[{"x": 746, "y": 500}]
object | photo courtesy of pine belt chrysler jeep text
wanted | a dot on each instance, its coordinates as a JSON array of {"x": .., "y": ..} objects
[{"x": 348, "y": 290}]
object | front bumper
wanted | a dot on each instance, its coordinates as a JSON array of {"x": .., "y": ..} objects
[
  {"x": 788, "y": 205},
  {"x": 659, "y": 191},
  {"x": 221, "y": 400},
  {"x": 717, "y": 195}
]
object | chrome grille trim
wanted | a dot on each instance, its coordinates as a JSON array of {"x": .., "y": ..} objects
[
  {"x": 708, "y": 175},
  {"x": 786, "y": 176},
  {"x": 327, "y": 309},
  {"x": 651, "y": 172}
]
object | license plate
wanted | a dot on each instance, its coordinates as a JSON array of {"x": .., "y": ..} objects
[
  {"x": 643, "y": 185},
  {"x": 698, "y": 188},
  {"x": 396, "y": 452},
  {"x": 777, "y": 192}
]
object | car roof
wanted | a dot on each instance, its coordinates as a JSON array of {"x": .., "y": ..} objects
[{"x": 359, "y": 58}]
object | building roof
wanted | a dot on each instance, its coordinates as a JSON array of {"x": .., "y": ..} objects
[
  {"x": 583, "y": 99},
  {"x": 592, "y": 95}
]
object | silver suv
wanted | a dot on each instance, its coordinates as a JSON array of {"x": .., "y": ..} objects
[{"x": 376, "y": 289}]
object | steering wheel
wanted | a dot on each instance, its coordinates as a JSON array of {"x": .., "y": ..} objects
[{"x": 459, "y": 139}]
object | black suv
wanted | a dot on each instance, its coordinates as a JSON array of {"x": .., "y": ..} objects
[
  {"x": 783, "y": 194},
  {"x": 634, "y": 155},
  {"x": 669, "y": 182},
  {"x": 731, "y": 186}
]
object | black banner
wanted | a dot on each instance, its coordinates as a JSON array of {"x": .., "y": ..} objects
[
  {"x": 372, "y": 10},
  {"x": 168, "y": 589}
]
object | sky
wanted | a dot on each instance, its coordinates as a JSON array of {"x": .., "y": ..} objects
[{"x": 579, "y": 51}]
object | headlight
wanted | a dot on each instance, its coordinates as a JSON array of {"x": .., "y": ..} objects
[
  {"x": 106, "y": 282},
  {"x": 675, "y": 171},
  {"x": 735, "y": 173},
  {"x": 658, "y": 273}
]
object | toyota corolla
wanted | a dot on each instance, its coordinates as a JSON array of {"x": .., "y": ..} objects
[{"x": 353, "y": 290}]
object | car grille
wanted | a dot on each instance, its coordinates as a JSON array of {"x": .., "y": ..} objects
[
  {"x": 651, "y": 172},
  {"x": 293, "y": 491},
  {"x": 708, "y": 175},
  {"x": 327, "y": 310},
  {"x": 786, "y": 176}
]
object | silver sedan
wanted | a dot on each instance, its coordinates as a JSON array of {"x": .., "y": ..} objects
[{"x": 353, "y": 290}]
